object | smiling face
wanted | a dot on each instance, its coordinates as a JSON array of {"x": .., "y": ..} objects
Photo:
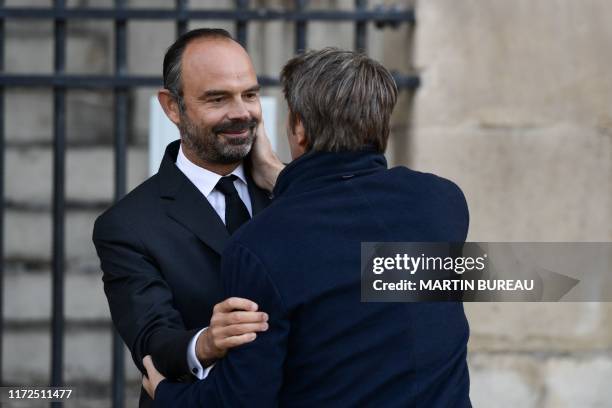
[{"x": 221, "y": 107}]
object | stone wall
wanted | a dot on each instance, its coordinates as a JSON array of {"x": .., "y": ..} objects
[{"x": 516, "y": 107}]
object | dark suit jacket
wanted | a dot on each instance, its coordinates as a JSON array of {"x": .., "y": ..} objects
[
  {"x": 160, "y": 249},
  {"x": 300, "y": 261}
]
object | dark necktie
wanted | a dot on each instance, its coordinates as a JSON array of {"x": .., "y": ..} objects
[{"x": 236, "y": 212}]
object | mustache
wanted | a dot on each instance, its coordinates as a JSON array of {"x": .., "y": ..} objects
[{"x": 235, "y": 126}]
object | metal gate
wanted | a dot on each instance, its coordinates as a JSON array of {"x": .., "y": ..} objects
[{"x": 121, "y": 82}]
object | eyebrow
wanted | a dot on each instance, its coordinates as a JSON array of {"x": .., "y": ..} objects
[{"x": 216, "y": 92}]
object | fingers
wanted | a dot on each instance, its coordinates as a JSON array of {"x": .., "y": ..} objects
[
  {"x": 152, "y": 373},
  {"x": 235, "y": 341},
  {"x": 261, "y": 129},
  {"x": 239, "y": 329},
  {"x": 148, "y": 365},
  {"x": 226, "y": 319},
  {"x": 235, "y": 321},
  {"x": 262, "y": 137},
  {"x": 146, "y": 384},
  {"x": 235, "y": 303},
  {"x": 153, "y": 377},
  {"x": 226, "y": 337}
]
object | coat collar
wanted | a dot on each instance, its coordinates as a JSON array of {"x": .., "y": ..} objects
[
  {"x": 315, "y": 169},
  {"x": 185, "y": 204}
]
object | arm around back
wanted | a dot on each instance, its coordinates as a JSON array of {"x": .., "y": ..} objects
[{"x": 252, "y": 374}]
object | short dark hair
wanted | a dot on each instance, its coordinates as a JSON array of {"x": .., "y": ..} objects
[
  {"x": 344, "y": 99},
  {"x": 174, "y": 54}
]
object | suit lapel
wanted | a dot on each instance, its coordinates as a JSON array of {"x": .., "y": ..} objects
[
  {"x": 259, "y": 198},
  {"x": 193, "y": 211},
  {"x": 185, "y": 204}
]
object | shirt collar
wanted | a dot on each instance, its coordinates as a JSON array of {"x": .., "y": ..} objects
[{"x": 205, "y": 180}]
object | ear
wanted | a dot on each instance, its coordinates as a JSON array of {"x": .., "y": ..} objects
[
  {"x": 170, "y": 105},
  {"x": 300, "y": 133}
]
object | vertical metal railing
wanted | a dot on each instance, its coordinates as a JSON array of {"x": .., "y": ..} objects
[
  {"x": 182, "y": 21},
  {"x": 2, "y": 134},
  {"x": 120, "y": 130},
  {"x": 59, "y": 177},
  {"x": 241, "y": 25},
  {"x": 361, "y": 28},
  {"x": 300, "y": 28},
  {"x": 121, "y": 82}
]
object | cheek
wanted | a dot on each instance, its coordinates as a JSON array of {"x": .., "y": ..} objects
[{"x": 208, "y": 118}]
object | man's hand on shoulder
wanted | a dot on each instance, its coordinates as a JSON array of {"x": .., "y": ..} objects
[{"x": 234, "y": 322}]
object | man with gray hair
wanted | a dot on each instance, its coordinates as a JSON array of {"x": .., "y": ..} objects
[{"x": 299, "y": 260}]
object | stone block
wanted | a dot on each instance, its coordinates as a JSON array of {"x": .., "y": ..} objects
[
  {"x": 544, "y": 184},
  {"x": 29, "y": 234},
  {"x": 29, "y": 175},
  {"x": 29, "y": 116},
  {"x": 28, "y": 297},
  {"x": 29, "y": 46},
  {"x": 539, "y": 327},
  {"x": 88, "y": 355},
  {"x": 90, "y": 46},
  {"x": 505, "y": 381},
  {"x": 89, "y": 117},
  {"x": 583, "y": 382},
  {"x": 520, "y": 63},
  {"x": 200, "y": 4},
  {"x": 147, "y": 44},
  {"x": 28, "y": 3},
  {"x": 89, "y": 173}
]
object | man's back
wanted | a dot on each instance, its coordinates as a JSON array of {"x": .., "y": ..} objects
[{"x": 339, "y": 351}]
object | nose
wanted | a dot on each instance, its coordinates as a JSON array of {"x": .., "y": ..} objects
[{"x": 238, "y": 111}]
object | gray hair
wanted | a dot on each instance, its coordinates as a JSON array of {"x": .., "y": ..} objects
[{"x": 344, "y": 99}]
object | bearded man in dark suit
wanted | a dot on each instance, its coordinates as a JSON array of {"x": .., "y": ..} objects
[{"x": 160, "y": 246}]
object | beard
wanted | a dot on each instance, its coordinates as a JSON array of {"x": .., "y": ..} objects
[{"x": 210, "y": 146}]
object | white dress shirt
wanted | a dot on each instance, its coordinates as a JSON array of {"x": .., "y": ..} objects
[{"x": 205, "y": 181}]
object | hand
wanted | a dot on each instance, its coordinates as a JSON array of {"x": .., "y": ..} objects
[
  {"x": 153, "y": 377},
  {"x": 265, "y": 163},
  {"x": 234, "y": 322}
]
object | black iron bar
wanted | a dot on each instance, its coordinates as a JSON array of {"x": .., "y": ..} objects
[
  {"x": 2, "y": 173},
  {"x": 300, "y": 28},
  {"x": 59, "y": 159},
  {"x": 241, "y": 25},
  {"x": 120, "y": 130},
  {"x": 261, "y": 14},
  {"x": 182, "y": 20},
  {"x": 361, "y": 28},
  {"x": 132, "y": 81}
]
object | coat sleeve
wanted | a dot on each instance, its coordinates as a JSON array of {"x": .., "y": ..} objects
[
  {"x": 140, "y": 300},
  {"x": 249, "y": 375}
]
